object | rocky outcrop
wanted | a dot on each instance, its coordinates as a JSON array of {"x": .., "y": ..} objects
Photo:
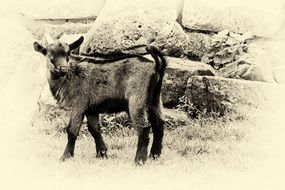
[
  {"x": 21, "y": 79},
  {"x": 196, "y": 46},
  {"x": 132, "y": 23},
  {"x": 222, "y": 96},
  {"x": 255, "y": 65},
  {"x": 240, "y": 17},
  {"x": 177, "y": 74}
]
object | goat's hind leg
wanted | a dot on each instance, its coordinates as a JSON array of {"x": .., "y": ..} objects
[
  {"x": 143, "y": 141},
  {"x": 72, "y": 133},
  {"x": 94, "y": 129},
  {"x": 157, "y": 123},
  {"x": 140, "y": 123}
]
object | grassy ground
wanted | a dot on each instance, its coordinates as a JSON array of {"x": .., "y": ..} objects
[
  {"x": 200, "y": 154},
  {"x": 198, "y": 149},
  {"x": 206, "y": 153},
  {"x": 202, "y": 138}
]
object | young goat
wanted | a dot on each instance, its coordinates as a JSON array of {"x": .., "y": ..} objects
[{"x": 87, "y": 89}]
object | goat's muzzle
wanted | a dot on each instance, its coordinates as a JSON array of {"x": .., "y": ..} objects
[
  {"x": 63, "y": 68},
  {"x": 61, "y": 71}
]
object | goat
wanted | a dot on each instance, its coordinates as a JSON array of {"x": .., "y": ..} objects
[{"x": 86, "y": 89}]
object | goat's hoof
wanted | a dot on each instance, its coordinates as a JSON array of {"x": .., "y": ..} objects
[
  {"x": 65, "y": 156},
  {"x": 102, "y": 154},
  {"x": 139, "y": 162},
  {"x": 154, "y": 156}
]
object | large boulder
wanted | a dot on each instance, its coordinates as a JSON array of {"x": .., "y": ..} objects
[
  {"x": 177, "y": 74},
  {"x": 222, "y": 96},
  {"x": 21, "y": 80},
  {"x": 132, "y": 23},
  {"x": 261, "y": 19}
]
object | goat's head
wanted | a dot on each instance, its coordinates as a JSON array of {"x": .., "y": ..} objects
[{"x": 57, "y": 54}]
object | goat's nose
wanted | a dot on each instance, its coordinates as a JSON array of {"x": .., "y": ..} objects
[{"x": 64, "y": 68}]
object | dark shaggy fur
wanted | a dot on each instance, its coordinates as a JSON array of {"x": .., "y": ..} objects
[{"x": 87, "y": 89}]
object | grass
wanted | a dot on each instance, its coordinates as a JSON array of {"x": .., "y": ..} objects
[
  {"x": 204, "y": 153},
  {"x": 204, "y": 138}
]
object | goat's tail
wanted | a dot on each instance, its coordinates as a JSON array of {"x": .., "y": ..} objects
[
  {"x": 160, "y": 66},
  {"x": 156, "y": 53}
]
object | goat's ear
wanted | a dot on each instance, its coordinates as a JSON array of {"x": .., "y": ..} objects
[
  {"x": 39, "y": 48},
  {"x": 76, "y": 44}
]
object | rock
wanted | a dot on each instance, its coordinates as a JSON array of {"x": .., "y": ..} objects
[
  {"x": 177, "y": 74},
  {"x": 223, "y": 96},
  {"x": 132, "y": 23},
  {"x": 196, "y": 46},
  {"x": 240, "y": 16},
  {"x": 21, "y": 80},
  {"x": 256, "y": 65},
  {"x": 18, "y": 46}
]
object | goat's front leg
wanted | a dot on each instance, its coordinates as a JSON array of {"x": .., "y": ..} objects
[
  {"x": 94, "y": 129},
  {"x": 73, "y": 128}
]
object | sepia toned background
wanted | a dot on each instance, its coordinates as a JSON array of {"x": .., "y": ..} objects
[{"x": 208, "y": 153}]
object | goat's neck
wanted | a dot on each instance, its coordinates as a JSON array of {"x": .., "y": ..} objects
[{"x": 54, "y": 82}]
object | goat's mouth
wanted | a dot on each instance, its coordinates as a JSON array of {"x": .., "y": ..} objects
[
  {"x": 63, "y": 68},
  {"x": 61, "y": 71}
]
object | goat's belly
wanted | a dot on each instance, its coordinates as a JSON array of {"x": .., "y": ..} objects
[{"x": 109, "y": 106}]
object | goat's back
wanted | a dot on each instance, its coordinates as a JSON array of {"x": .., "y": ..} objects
[{"x": 119, "y": 80}]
